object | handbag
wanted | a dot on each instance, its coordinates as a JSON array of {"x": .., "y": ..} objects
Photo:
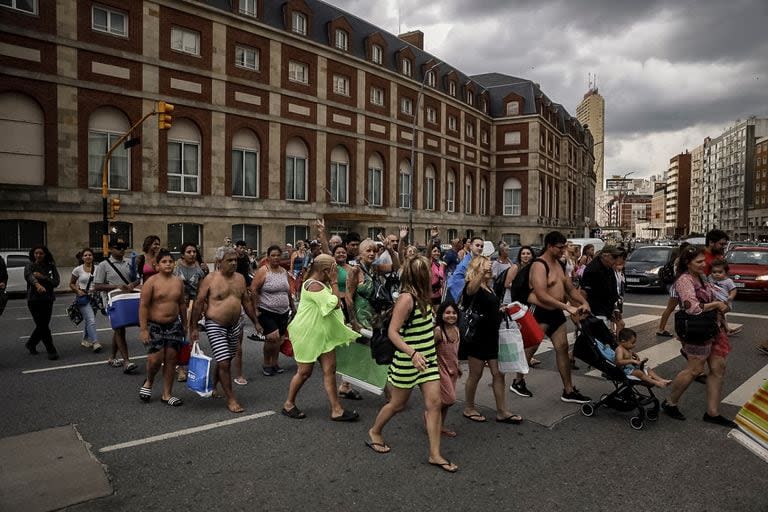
[
  {"x": 74, "y": 314},
  {"x": 696, "y": 329},
  {"x": 469, "y": 319},
  {"x": 198, "y": 372},
  {"x": 382, "y": 348},
  {"x": 511, "y": 350}
]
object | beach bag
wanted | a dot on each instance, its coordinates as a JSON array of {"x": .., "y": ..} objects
[
  {"x": 198, "y": 372},
  {"x": 511, "y": 351},
  {"x": 696, "y": 329},
  {"x": 74, "y": 314},
  {"x": 382, "y": 348},
  {"x": 469, "y": 319}
]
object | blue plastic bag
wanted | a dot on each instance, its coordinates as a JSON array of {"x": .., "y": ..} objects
[{"x": 198, "y": 372}]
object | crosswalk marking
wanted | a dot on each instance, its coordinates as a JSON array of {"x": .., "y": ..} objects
[
  {"x": 22, "y": 338},
  {"x": 740, "y": 395},
  {"x": 731, "y": 314}
]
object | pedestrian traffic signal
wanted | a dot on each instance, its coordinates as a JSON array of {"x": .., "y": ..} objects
[
  {"x": 114, "y": 207},
  {"x": 164, "y": 119}
]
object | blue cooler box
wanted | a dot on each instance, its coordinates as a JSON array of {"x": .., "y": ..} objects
[{"x": 123, "y": 309}]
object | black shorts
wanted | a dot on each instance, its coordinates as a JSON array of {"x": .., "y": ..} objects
[
  {"x": 162, "y": 336},
  {"x": 552, "y": 318},
  {"x": 271, "y": 321}
]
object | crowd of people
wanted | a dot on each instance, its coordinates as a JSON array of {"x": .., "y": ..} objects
[{"x": 337, "y": 291}]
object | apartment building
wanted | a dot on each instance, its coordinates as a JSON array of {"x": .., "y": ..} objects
[
  {"x": 757, "y": 212},
  {"x": 697, "y": 188},
  {"x": 678, "y": 196}
]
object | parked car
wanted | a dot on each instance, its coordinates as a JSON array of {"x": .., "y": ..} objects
[
  {"x": 15, "y": 261},
  {"x": 748, "y": 267},
  {"x": 642, "y": 267}
]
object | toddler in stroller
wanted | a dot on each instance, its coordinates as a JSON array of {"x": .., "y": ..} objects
[
  {"x": 596, "y": 346},
  {"x": 631, "y": 363}
]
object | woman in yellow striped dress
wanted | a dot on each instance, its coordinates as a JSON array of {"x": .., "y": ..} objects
[{"x": 415, "y": 363}]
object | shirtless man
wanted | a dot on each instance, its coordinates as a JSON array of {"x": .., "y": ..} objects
[
  {"x": 162, "y": 317},
  {"x": 551, "y": 290},
  {"x": 222, "y": 297}
]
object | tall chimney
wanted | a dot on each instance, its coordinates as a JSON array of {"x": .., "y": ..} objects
[{"x": 414, "y": 37}]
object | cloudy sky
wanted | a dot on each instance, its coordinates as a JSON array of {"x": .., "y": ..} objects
[{"x": 671, "y": 71}]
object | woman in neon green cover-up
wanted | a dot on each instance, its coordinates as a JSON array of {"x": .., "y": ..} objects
[{"x": 315, "y": 332}]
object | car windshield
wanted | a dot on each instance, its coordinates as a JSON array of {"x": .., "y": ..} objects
[
  {"x": 748, "y": 257},
  {"x": 652, "y": 254}
]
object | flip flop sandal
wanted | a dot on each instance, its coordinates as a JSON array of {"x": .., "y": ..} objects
[
  {"x": 380, "y": 448},
  {"x": 445, "y": 466},
  {"x": 145, "y": 394},
  {"x": 477, "y": 417},
  {"x": 665, "y": 334},
  {"x": 347, "y": 416},
  {"x": 115, "y": 363},
  {"x": 352, "y": 394},
  {"x": 295, "y": 413},
  {"x": 512, "y": 420},
  {"x": 173, "y": 401},
  {"x": 240, "y": 381},
  {"x": 130, "y": 367}
]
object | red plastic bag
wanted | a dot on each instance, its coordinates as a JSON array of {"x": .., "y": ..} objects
[
  {"x": 184, "y": 353},
  {"x": 286, "y": 348}
]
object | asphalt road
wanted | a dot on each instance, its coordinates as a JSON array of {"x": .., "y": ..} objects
[{"x": 267, "y": 461}]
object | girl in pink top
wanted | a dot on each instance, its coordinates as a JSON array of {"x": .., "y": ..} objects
[
  {"x": 438, "y": 275},
  {"x": 447, "y": 343}
]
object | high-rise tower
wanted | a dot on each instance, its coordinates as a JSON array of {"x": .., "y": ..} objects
[{"x": 591, "y": 111}]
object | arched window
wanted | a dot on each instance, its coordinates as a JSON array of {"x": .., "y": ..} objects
[
  {"x": 105, "y": 126},
  {"x": 429, "y": 188},
  {"x": 375, "y": 180},
  {"x": 17, "y": 234},
  {"x": 468, "y": 193},
  {"x": 483, "y": 197},
  {"x": 512, "y": 197},
  {"x": 184, "y": 158},
  {"x": 296, "y": 170},
  {"x": 245, "y": 164},
  {"x": 23, "y": 141},
  {"x": 184, "y": 232},
  {"x": 450, "y": 192},
  {"x": 404, "y": 185},
  {"x": 339, "y": 183}
]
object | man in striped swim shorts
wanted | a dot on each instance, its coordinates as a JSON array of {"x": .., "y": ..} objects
[{"x": 221, "y": 297}]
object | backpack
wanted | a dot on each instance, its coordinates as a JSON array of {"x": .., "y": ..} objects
[
  {"x": 667, "y": 273},
  {"x": 498, "y": 283},
  {"x": 382, "y": 348},
  {"x": 521, "y": 284}
]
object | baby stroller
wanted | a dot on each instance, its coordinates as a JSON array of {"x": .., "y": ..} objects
[{"x": 595, "y": 346}]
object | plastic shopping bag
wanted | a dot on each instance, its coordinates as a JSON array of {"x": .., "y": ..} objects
[
  {"x": 511, "y": 350},
  {"x": 198, "y": 372}
]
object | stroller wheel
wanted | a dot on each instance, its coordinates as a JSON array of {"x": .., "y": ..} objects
[
  {"x": 636, "y": 422},
  {"x": 652, "y": 415},
  {"x": 588, "y": 409}
]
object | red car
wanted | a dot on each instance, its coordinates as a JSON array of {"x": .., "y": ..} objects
[{"x": 748, "y": 267}]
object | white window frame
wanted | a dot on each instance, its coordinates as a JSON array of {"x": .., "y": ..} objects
[
  {"x": 339, "y": 194},
  {"x": 450, "y": 195},
  {"x": 14, "y": 5},
  {"x": 299, "y": 23},
  {"x": 377, "y": 96},
  {"x": 298, "y": 72},
  {"x": 341, "y": 85},
  {"x": 239, "y": 232},
  {"x": 377, "y": 54},
  {"x": 247, "y": 57},
  {"x": 184, "y": 33},
  {"x": 375, "y": 186},
  {"x": 182, "y": 174},
  {"x": 406, "y": 106},
  {"x": 470, "y": 130},
  {"x": 452, "y": 123},
  {"x": 484, "y": 136},
  {"x": 431, "y": 115},
  {"x": 109, "y": 29},
  {"x": 512, "y": 208},
  {"x": 430, "y": 78},
  {"x": 294, "y": 194},
  {"x": 404, "y": 189},
  {"x": 111, "y": 138},
  {"x": 452, "y": 88},
  {"x": 407, "y": 67},
  {"x": 511, "y": 138},
  {"x": 513, "y": 108},
  {"x": 429, "y": 202},
  {"x": 470, "y": 98},
  {"x": 249, "y": 8},
  {"x": 483, "y": 198},
  {"x": 297, "y": 232},
  {"x": 341, "y": 39},
  {"x": 242, "y": 155},
  {"x": 184, "y": 234},
  {"x": 468, "y": 193}
]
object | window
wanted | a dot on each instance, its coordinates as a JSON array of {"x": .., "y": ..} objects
[
  {"x": 22, "y": 148},
  {"x": 406, "y": 106},
  {"x": 108, "y": 20},
  {"x": 431, "y": 115},
  {"x": 341, "y": 85},
  {"x": 484, "y": 136},
  {"x": 22, "y": 234},
  {"x": 296, "y": 171},
  {"x": 483, "y": 197},
  {"x": 299, "y": 23},
  {"x": 470, "y": 130},
  {"x": 183, "y": 167},
  {"x": 513, "y": 108},
  {"x": 404, "y": 187},
  {"x": 450, "y": 193},
  {"x": 377, "y": 54},
  {"x": 511, "y": 138},
  {"x": 374, "y": 232},
  {"x": 375, "y": 180},
  {"x": 245, "y": 165},
  {"x": 377, "y": 96},
  {"x": 484, "y": 105},
  {"x": 342, "y": 39},
  {"x": 452, "y": 123},
  {"x": 123, "y": 230},
  {"x": 452, "y": 89},
  {"x": 298, "y": 72},
  {"x": 468, "y": 194},
  {"x": 248, "y": 7},
  {"x": 250, "y": 233},
  {"x": 118, "y": 169},
  {"x": 407, "y": 67},
  {"x": 430, "y": 78},
  {"x": 27, "y": 6},
  {"x": 339, "y": 180},
  {"x": 429, "y": 188},
  {"x": 184, "y": 232},
  {"x": 295, "y": 233},
  {"x": 512, "y": 197},
  {"x": 511, "y": 239},
  {"x": 453, "y": 234},
  {"x": 470, "y": 97},
  {"x": 187, "y": 41},
  {"x": 246, "y": 57}
]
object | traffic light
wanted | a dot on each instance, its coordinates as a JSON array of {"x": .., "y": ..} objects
[
  {"x": 114, "y": 207},
  {"x": 164, "y": 119}
]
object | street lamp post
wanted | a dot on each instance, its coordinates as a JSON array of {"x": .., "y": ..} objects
[
  {"x": 622, "y": 196},
  {"x": 427, "y": 73}
]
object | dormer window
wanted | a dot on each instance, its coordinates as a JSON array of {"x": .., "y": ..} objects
[
  {"x": 470, "y": 98},
  {"x": 513, "y": 108},
  {"x": 377, "y": 54},
  {"x": 407, "y": 67},
  {"x": 299, "y": 23},
  {"x": 431, "y": 78},
  {"x": 342, "y": 40},
  {"x": 452, "y": 89}
]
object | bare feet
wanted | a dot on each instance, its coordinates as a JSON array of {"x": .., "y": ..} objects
[
  {"x": 235, "y": 407},
  {"x": 376, "y": 443}
]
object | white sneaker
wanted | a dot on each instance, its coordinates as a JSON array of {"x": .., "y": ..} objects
[
  {"x": 96, "y": 347},
  {"x": 86, "y": 344}
]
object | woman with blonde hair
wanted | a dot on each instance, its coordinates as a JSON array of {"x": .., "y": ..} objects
[
  {"x": 483, "y": 349},
  {"x": 415, "y": 362}
]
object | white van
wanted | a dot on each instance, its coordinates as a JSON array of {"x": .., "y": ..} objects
[{"x": 581, "y": 242}]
